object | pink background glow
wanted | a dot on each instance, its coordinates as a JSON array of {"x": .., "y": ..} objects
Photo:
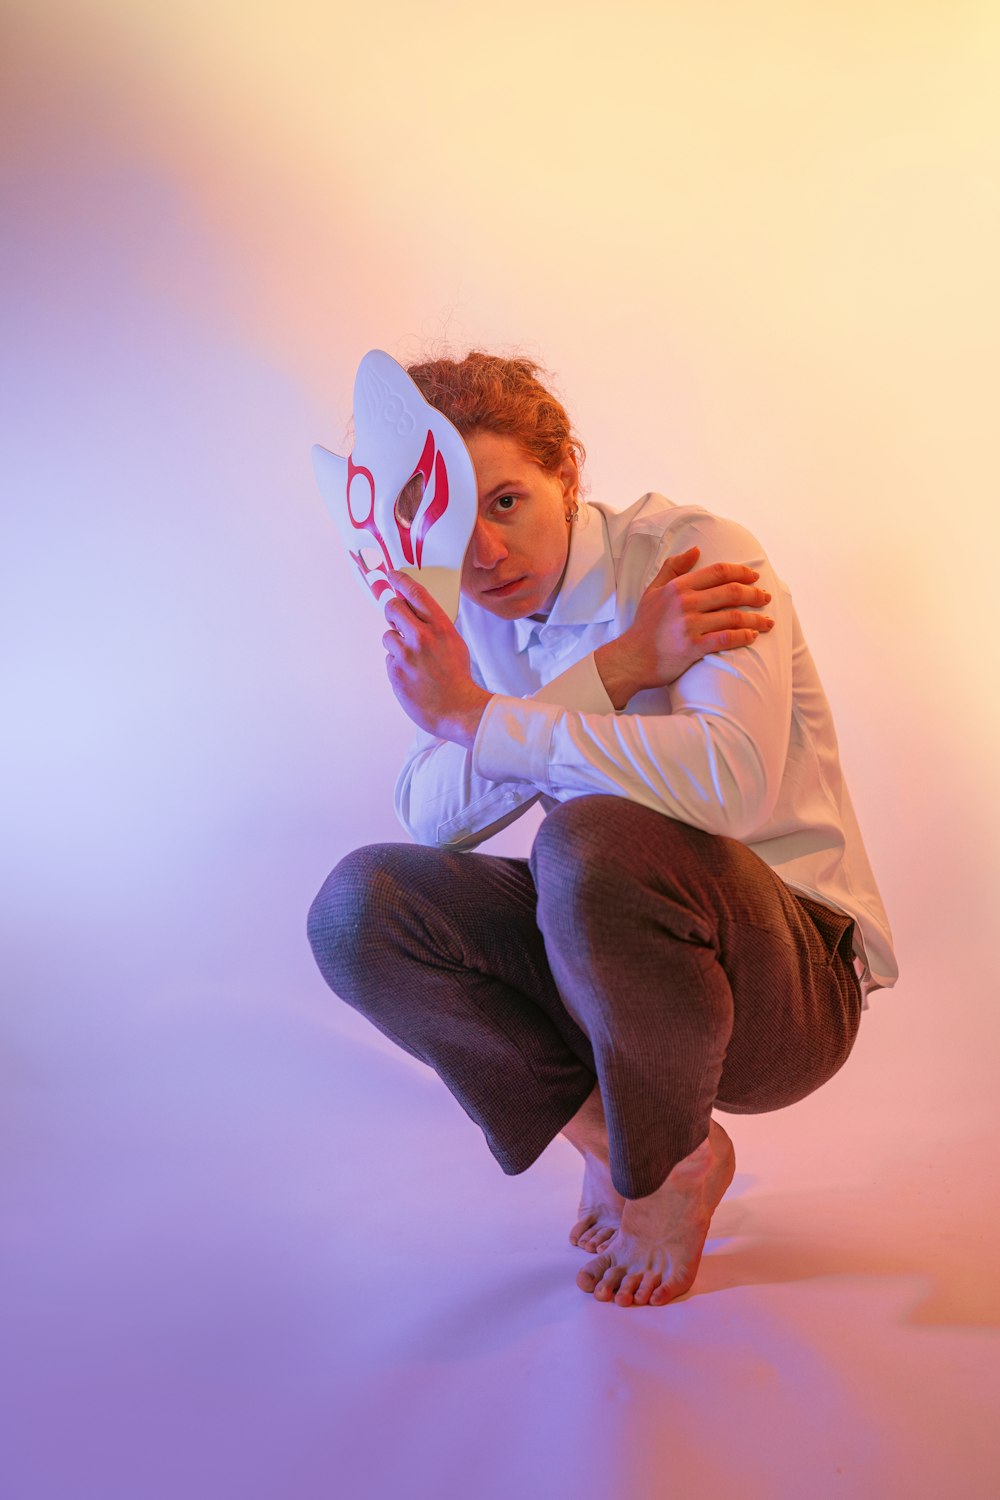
[{"x": 758, "y": 248}]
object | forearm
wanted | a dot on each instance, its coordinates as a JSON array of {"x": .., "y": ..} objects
[
  {"x": 699, "y": 769},
  {"x": 442, "y": 800},
  {"x": 712, "y": 754}
]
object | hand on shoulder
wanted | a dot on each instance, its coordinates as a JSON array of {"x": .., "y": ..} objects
[{"x": 684, "y": 615}]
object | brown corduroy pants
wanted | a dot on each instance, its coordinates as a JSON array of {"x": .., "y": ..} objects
[{"x": 670, "y": 964}]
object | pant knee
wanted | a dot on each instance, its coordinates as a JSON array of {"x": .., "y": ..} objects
[
  {"x": 579, "y": 885},
  {"x": 594, "y": 844},
  {"x": 599, "y": 858},
  {"x": 349, "y": 910},
  {"x": 573, "y": 841}
]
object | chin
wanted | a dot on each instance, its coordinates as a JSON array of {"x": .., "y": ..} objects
[{"x": 509, "y": 609}]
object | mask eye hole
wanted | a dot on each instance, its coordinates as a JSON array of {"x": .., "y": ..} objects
[{"x": 408, "y": 500}]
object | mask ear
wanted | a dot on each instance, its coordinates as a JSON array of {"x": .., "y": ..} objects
[{"x": 331, "y": 476}]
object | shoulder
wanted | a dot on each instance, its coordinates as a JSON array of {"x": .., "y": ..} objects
[{"x": 655, "y": 527}]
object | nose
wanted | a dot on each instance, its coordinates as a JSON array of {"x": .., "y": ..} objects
[{"x": 486, "y": 548}]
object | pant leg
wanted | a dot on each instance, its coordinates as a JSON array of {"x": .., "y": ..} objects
[
  {"x": 701, "y": 980},
  {"x": 442, "y": 952}
]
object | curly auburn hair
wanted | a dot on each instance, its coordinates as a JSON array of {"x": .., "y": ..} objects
[{"x": 490, "y": 393}]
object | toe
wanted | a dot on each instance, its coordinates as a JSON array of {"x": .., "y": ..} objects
[
  {"x": 646, "y": 1288},
  {"x": 681, "y": 1281},
  {"x": 588, "y": 1278},
  {"x": 627, "y": 1289},
  {"x": 596, "y": 1239},
  {"x": 579, "y": 1229},
  {"x": 609, "y": 1283}
]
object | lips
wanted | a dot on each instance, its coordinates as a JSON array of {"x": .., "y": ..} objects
[{"x": 502, "y": 588}]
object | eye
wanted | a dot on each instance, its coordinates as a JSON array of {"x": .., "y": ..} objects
[{"x": 505, "y": 504}]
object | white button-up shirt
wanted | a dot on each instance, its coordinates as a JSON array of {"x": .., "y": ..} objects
[{"x": 742, "y": 743}]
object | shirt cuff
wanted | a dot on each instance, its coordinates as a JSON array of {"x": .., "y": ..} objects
[
  {"x": 580, "y": 688},
  {"x": 512, "y": 742}
]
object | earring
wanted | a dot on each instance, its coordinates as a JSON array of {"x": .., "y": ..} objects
[{"x": 571, "y": 515}]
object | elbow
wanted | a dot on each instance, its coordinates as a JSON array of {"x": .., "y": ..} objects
[
  {"x": 426, "y": 834},
  {"x": 416, "y": 828},
  {"x": 453, "y": 835},
  {"x": 743, "y": 786}
]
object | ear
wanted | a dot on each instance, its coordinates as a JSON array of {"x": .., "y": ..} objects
[{"x": 569, "y": 477}]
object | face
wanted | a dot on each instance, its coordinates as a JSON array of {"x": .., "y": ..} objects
[{"x": 520, "y": 542}]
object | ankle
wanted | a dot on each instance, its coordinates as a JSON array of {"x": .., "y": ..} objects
[
  {"x": 588, "y": 1130},
  {"x": 591, "y": 1144}
]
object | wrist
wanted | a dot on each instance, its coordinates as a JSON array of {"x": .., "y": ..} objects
[
  {"x": 466, "y": 721},
  {"x": 616, "y": 671}
]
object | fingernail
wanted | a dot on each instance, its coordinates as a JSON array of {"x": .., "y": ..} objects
[
  {"x": 755, "y": 573},
  {"x": 767, "y": 598}
]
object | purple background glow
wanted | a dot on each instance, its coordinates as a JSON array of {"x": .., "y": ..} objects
[{"x": 248, "y": 1248}]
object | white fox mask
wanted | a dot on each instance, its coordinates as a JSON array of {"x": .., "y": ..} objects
[{"x": 408, "y": 483}]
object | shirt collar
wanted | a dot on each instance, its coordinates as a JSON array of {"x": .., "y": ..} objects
[{"x": 587, "y": 595}]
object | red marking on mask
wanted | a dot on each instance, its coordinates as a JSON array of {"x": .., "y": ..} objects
[
  {"x": 412, "y": 538},
  {"x": 368, "y": 523},
  {"x": 437, "y": 507},
  {"x": 373, "y": 578},
  {"x": 431, "y": 464},
  {"x": 404, "y": 527}
]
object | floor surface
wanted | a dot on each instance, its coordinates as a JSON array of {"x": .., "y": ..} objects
[{"x": 251, "y": 1251}]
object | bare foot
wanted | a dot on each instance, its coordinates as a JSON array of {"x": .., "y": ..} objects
[
  {"x": 600, "y": 1208},
  {"x": 654, "y": 1254},
  {"x": 601, "y": 1204}
]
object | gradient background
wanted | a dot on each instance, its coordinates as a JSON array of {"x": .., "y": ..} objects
[{"x": 757, "y": 246}]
